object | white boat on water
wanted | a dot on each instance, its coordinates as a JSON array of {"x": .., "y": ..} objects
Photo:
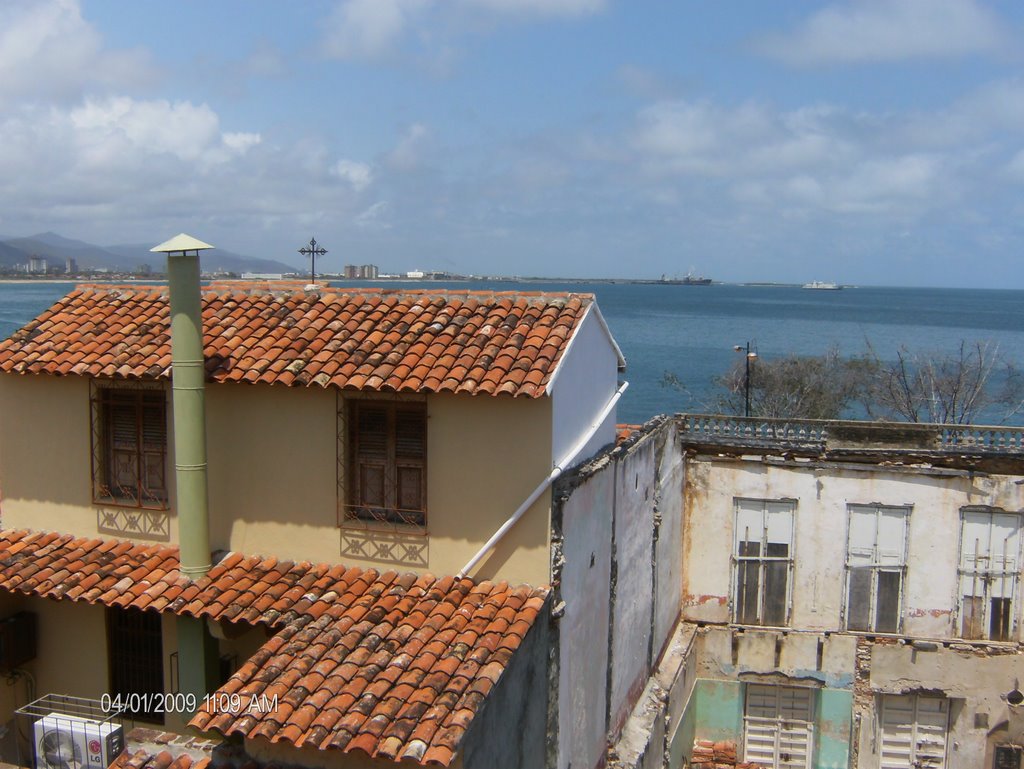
[{"x": 821, "y": 286}]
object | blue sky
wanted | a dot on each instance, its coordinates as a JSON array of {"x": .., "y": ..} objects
[{"x": 872, "y": 142}]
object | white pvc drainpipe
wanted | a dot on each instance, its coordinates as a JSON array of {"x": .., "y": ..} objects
[{"x": 558, "y": 469}]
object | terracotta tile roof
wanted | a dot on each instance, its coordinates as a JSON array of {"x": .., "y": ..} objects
[
  {"x": 624, "y": 431},
  {"x": 382, "y": 340},
  {"x": 142, "y": 759},
  {"x": 393, "y": 665},
  {"x": 397, "y": 675},
  {"x": 129, "y": 575}
]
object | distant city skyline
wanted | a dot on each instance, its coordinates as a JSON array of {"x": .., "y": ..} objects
[{"x": 867, "y": 142}]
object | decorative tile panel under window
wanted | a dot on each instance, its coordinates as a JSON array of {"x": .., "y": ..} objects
[
  {"x": 387, "y": 462},
  {"x": 763, "y": 560},
  {"x": 989, "y": 570},
  {"x": 129, "y": 446},
  {"x": 875, "y": 560},
  {"x": 778, "y": 726},
  {"x": 913, "y": 731}
]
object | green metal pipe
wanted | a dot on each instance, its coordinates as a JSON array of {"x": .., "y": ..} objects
[
  {"x": 198, "y": 658},
  {"x": 188, "y": 396}
]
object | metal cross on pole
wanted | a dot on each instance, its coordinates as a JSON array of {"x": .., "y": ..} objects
[{"x": 313, "y": 250}]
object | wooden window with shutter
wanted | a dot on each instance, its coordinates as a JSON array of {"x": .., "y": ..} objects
[
  {"x": 387, "y": 473},
  {"x": 990, "y": 547},
  {"x": 129, "y": 447}
]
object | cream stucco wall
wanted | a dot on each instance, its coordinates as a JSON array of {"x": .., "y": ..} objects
[
  {"x": 823, "y": 494},
  {"x": 273, "y": 468},
  {"x": 44, "y": 454},
  {"x": 72, "y": 651},
  {"x": 273, "y": 481}
]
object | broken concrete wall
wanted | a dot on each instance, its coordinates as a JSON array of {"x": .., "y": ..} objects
[
  {"x": 616, "y": 542},
  {"x": 976, "y": 679},
  {"x": 582, "y": 555},
  {"x": 632, "y": 593},
  {"x": 727, "y": 658},
  {"x": 822, "y": 493},
  {"x": 668, "y": 520}
]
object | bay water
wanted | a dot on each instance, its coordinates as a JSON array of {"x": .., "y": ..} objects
[{"x": 691, "y": 330}]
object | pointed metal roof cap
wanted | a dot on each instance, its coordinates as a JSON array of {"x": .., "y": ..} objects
[{"x": 181, "y": 243}]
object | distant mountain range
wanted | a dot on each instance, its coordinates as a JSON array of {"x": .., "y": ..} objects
[{"x": 127, "y": 258}]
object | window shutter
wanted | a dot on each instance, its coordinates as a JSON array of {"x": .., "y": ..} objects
[
  {"x": 913, "y": 732},
  {"x": 388, "y": 461}
]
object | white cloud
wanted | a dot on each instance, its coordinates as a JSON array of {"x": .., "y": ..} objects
[
  {"x": 888, "y": 30},
  {"x": 1015, "y": 168},
  {"x": 815, "y": 158},
  {"x": 359, "y": 175},
  {"x": 541, "y": 7},
  {"x": 48, "y": 51},
  {"x": 406, "y": 155},
  {"x": 374, "y": 217},
  {"x": 373, "y": 29},
  {"x": 358, "y": 29}
]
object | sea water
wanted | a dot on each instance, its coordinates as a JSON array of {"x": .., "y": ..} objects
[{"x": 691, "y": 331}]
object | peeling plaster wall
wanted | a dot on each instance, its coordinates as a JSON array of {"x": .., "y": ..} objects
[
  {"x": 668, "y": 517},
  {"x": 975, "y": 679},
  {"x": 616, "y": 532},
  {"x": 632, "y": 579},
  {"x": 822, "y": 494},
  {"x": 586, "y": 522}
]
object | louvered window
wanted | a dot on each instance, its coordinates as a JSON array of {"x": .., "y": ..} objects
[
  {"x": 875, "y": 559},
  {"x": 913, "y": 732},
  {"x": 129, "y": 447},
  {"x": 387, "y": 462},
  {"x": 989, "y": 567},
  {"x": 778, "y": 726},
  {"x": 763, "y": 561}
]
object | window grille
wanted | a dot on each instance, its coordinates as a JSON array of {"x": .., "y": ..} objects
[
  {"x": 383, "y": 461},
  {"x": 135, "y": 647},
  {"x": 129, "y": 445}
]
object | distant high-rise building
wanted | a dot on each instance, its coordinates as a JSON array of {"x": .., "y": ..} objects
[
  {"x": 70, "y": 265},
  {"x": 361, "y": 271},
  {"x": 37, "y": 264}
]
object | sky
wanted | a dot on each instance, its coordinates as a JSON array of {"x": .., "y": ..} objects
[{"x": 876, "y": 142}]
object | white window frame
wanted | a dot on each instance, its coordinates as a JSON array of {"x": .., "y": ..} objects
[
  {"x": 880, "y": 557},
  {"x": 920, "y": 737},
  {"x": 746, "y": 507},
  {"x": 988, "y": 570},
  {"x": 783, "y": 728}
]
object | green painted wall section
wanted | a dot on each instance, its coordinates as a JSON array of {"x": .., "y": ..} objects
[
  {"x": 715, "y": 712},
  {"x": 833, "y": 726}
]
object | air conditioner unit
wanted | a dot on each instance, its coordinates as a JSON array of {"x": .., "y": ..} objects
[{"x": 71, "y": 742}]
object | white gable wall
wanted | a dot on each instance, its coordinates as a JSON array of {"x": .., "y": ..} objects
[{"x": 585, "y": 380}]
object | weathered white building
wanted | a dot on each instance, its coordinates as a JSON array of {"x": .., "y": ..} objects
[{"x": 856, "y": 592}]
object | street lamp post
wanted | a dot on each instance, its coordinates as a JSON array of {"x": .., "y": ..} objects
[{"x": 750, "y": 355}]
